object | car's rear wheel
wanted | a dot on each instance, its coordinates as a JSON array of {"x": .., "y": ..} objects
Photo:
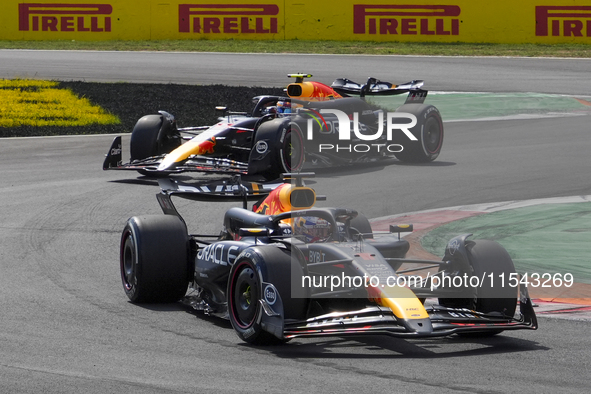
[
  {"x": 278, "y": 147},
  {"x": 488, "y": 259},
  {"x": 289, "y": 155},
  {"x": 428, "y": 132},
  {"x": 291, "y": 151},
  {"x": 154, "y": 259}
]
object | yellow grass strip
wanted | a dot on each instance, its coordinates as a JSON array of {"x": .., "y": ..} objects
[{"x": 41, "y": 103}]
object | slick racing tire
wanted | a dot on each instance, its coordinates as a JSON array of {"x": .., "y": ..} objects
[
  {"x": 428, "y": 132},
  {"x": 291, "y": 149},
  {"x": 272, "y": 265},
  {"x": 153, "y": 136},
  {"x": 360, "y": 225},
  {"x": 488, "y": 258},
  {"x": 278, "y": 148},
  {"x": 154, "y": 259},
  {"x": 289, "y": 155}
]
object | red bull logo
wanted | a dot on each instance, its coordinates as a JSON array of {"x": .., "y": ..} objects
[
  {"x": 311, "y": 90},
  {"x": 563, "y": 21},
  {"x": 421, "y": 20},
  {"x": 65, "y": 17},
  {"x": 206, "y": 146},
  {"x": 276, "y": 202},
  {"x": 228, "y": 18}
]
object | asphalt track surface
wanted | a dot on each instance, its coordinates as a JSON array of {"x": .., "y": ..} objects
[
  {"x": 66, "y": 326},
  {"x": 501, "y": 74}
]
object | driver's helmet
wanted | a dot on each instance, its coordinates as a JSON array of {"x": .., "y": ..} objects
[
  {"x": 311, "y": 229},
  {"x": 271, "y": 109},
  {"x": 284, "y": 107}
]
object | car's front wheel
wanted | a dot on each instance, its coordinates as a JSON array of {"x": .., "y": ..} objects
[
  {"x": 360, "y": 226},
  {"x": 245, "y": 291},
  {"x": 153, "y": 135},
  {"x": 489, "y": 260}
]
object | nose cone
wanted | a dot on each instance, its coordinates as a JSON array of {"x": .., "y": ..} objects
[
  {"x": 167, "y": 165},
  {"x": 200, "y": 145},
  {"x": 418, "y": 326}
]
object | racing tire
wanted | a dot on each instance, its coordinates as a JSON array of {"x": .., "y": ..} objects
[
  {"x": 153, "y": 136},
  {"x": 154, "y": 259},
  {"x": 290, "y": 154},
  {"x": 291, "y": 150},
  {"x": 251, "y": 268},
  {"x": 488, "y": 257},
  {"x": 360, "y": 225},
  {"x": 428, "y": 131},
  {"x": 144, "y": 137}
]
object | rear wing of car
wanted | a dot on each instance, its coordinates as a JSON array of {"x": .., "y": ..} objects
[
  {"x": 375, "y": 87},
  {"x": 221, "y": 190}
]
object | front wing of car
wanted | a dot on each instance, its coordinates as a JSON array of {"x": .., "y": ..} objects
[
  {"x": 376, "y": 320},
  {"x": 114, "y": 161}
]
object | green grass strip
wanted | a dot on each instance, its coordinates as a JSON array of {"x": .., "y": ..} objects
[{"x": 543, "y": 238}]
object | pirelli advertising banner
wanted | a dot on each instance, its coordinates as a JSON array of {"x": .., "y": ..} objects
[{"x": 499, "y": 21}]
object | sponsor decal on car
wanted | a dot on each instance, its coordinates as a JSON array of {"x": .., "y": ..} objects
[
  {"x": 219, "y": 254},
  {"x": 316, "y": 256},
  {"x": 261, "y": 147},
  {"x": 453, "y": 246},
  {"x": 270, "y": 294}
]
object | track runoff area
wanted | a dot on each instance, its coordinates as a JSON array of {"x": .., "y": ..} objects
[{"x": 528, "y": 230}]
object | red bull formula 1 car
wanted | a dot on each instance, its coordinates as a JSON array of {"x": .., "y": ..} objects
[
  {"x": 314, "y": 125},
  {"x": 286, "y": 269}
]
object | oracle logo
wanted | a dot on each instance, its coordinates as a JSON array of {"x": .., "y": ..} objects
[
  {"x": 425, "y": 20},
  {"x": 64, "y": 17},
  {"x": 228, "y": 18},
  {"x": 563, "y": 21}
]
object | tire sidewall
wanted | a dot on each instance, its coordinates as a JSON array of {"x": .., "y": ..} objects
[
  {"x": 129, "y": 236},
  {"x": 269, "y": 152},
  {"x": 271, "y": 265},
  {"x": 252, "y": 328},
  {"x": 419, "y": 151},
  {"x": 481, "y": 254},
  {"x": 144, "y": 137},
  {"x": 431, "y": 115},
  {"x": 153, "y": 135},
  {"x": 485, "y": 258},
  {"x": 158, "y": 246},
  {"x": 360, "y": 225},
  {"x": 291, "y": 138}
]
